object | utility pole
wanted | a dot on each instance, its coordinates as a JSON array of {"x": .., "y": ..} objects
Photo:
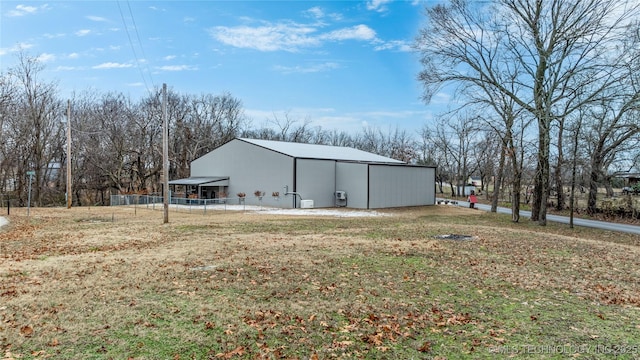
[
  {"x": 69, "y": 196},
  {"x": 165, "y": 154},
  {"x": 30, "y": 174}
]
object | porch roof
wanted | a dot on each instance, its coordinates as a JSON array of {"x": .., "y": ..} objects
[{"x": 202, "y": 181}]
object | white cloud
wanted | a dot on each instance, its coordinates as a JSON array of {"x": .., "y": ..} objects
[
  {"x": 96, "y": 18},
  {"x": 53, "y": 36},
  {"x": 73, "y": 56},
  {"x": 315, "y": 12},
  {"x": 66, "y": 68},
  {"x": 16, "y": 48},
  {"x": 169, "y": 57},
  {"x": 358, "y": 32},
  {"x": 307, "y": 69},
  {"x": 44, "y": 57},
  {"x": 398, "y": 45},
  {"x": 377, "y": 5},
  {"x": 83, "y": 32},
  {"x": 176, "y": 68},
  {"x": 22, "y": 10},
  {"x": 318, "y": 13},
  {"x": 286, "y": 37},
  {"x": 112, "y": 65}
]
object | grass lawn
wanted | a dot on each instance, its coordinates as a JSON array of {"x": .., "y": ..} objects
[{"x": 116, "y": 283}]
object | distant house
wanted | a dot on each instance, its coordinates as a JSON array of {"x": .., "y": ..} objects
[
  {"x": 289, "y": 173},
  {"x": 630, "y": 179},
  {"x": 475, "y": 181},
  {"x": 631, "y": 182}
]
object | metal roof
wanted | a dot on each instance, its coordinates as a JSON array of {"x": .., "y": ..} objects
[
  {"x": 202, "y": 181},
  {"x": 314, "y": 151}
]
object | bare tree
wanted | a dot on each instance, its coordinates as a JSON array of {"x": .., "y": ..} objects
[
  {"x": 145, "y": 132},
  {"x": 453, "y": 142},
  {"x": 340, "y": 138},
  {"x": 289, "y": 129},
  {"x": 403, "y": 146},
  {"x": 395, "y": 143},
  {"x": 614, "y": 132},
  {"x": 109, "y": 154},
  {"x": 545, "y": 46},
  {"x": 8, "y": 111},
  {"x": 90, "y": 183},
  {"x": 35, "y": 130},
  {"x": 616, "y": 117},
  {"x": 200, "y": 124},
  {"x": 432, "y": 153},
  {"x": 484, "y": 155}
]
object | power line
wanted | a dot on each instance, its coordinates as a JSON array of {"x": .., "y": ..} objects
[
  {"x": 135, "y": 54},
  {"x": 135, "y": 27}
]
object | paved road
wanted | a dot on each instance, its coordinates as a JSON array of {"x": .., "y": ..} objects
[{"x": 631, "y": 229}]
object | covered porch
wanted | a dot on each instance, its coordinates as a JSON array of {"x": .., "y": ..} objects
[{"x": 210, "y": 187}]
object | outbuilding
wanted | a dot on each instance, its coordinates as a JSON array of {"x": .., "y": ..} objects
[{"x": 292, "y": 175}]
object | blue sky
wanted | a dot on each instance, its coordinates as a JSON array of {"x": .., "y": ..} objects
[{"x": 341, "y": 65}]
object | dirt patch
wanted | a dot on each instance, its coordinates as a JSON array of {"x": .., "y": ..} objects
[{"x": 456, "y": 237}]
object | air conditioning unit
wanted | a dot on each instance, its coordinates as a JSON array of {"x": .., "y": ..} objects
[
  {"x": 341, "y": 195},
  {"x": 306, "y": 204}
]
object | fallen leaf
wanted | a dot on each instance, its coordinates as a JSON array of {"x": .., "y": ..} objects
[
  {"x": 426, "y": 347},
  {"x": 26, "y": 331},
  {"x": 237, "y": 351}
]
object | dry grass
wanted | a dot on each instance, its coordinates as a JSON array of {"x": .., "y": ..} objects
[{"x": 116, "y": 283}]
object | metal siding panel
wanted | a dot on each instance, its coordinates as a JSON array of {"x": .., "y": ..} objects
[
  {"x": 249, "y": 168},
  {"x": 397, "y": 186},
  {"x": 352, "y": 178},
  {"x": 316, "y": 181}
]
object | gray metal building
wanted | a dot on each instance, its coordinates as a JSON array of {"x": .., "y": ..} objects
[{"x": 306, "y": 175}]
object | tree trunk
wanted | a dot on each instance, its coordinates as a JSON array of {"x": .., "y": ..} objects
[
  {"x": 593, "y": 190},
  {"x": 515, "y": 199},
  {"x": 541, "y": 180},
  {"x": 498, "y": 183},
  {"x": 561, "y": 203}
]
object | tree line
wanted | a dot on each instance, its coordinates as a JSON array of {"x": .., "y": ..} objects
[
  {"x": 557, "y": 82},
  {"x": 116, "y": 142},
  {"x": 547, "y": 98}
]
